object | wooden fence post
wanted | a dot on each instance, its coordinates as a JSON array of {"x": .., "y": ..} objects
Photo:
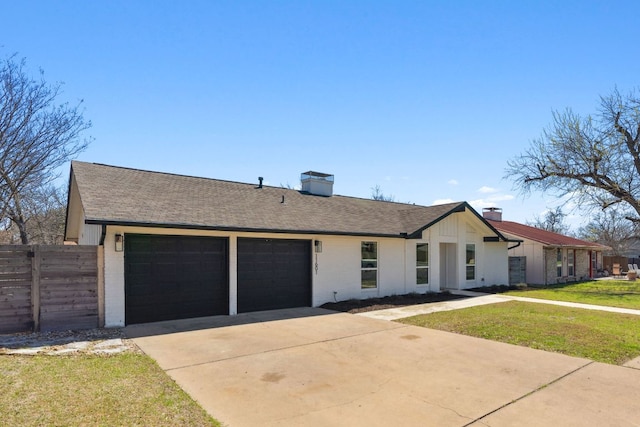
[{"x": 35, "y": 286}]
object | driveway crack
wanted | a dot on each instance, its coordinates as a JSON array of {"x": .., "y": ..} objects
[
  {"x": 479, "y": 419},
  {"x": 239, "y": 356}
]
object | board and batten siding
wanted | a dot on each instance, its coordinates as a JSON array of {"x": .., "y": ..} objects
[{"x": 90, "y": 234}]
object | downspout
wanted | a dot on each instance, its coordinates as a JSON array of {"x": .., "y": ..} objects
[
  {"x": 102, "y": 236},
  {"x": 544, "y": 260},
  {"x": 519, "y": 242}
]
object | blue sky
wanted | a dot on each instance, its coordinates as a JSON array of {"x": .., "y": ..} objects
[{"x": 426, "y": 99}]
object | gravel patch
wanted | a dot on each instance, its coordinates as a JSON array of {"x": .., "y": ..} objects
[{"x": 63, "y": 343}]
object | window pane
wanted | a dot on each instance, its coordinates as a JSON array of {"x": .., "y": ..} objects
[
  {"x": 369, "y": 279},
  {"x": 471, "y": 254},
  {"x": 570, "y": 261},
  {"x": 422, "y": 254},
  {"x": 369, "y": 250},
  {"x": 369, "y": 263},
  {"x": 422, "y": 276},
  {"x": 471, "y": 272}
]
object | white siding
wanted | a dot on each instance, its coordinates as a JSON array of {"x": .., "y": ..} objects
[
  {"x": 458, "y": 230},
  {"x": 113, "y": 281},
  {"x": 90, "y": 234},
  {"x": 336, "y": 271},
  {"x": 534, "y": 253},
  {"x": 494, "y": 270}
]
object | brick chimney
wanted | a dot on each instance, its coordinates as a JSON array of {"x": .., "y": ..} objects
[{"x": 493, "y": 214}]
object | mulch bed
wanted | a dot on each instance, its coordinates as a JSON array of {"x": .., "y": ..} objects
[{"x": 394, "y": 301}]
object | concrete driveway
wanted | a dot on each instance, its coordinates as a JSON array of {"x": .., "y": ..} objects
[{"x": 313, "y": 367}]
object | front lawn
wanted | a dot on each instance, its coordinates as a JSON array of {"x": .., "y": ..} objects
[
  {"x": 613, "y": 293},
  {"x": 601, "y": 336},
  {"x": 122, "y": 390}
]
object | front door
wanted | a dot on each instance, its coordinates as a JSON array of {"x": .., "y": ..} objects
[{"x": 448, "y": 266}]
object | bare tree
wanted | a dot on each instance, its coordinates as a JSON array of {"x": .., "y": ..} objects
[
  {"x": 553, "y": 221},
  {"x": 612, "y": 229},
  {"x": 594, "y": 160},
  {"x": 377, "y": 194},
  {"x": 45, "y": 212},
  {"x": 37, "y": 136}
]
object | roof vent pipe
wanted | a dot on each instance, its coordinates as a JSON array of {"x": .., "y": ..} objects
[{"x": 260, "y": 179}]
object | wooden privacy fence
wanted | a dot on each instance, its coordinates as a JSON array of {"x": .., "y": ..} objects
[{"x": 47, "y": 288}]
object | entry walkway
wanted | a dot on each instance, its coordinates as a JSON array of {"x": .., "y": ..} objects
[{"x": 475, "y": 299}]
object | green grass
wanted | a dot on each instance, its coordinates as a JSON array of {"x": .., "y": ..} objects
[
  {"x": 127, "y": 389},
  {"x": 613, "y": 293},
  {"x": 601, "y": 336}
]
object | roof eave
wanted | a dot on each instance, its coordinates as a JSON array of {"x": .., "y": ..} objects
[
  {"x": 105, "y": 222},
  {"x": 462, "y": 207},
  {"x": 560, "y": 245}
]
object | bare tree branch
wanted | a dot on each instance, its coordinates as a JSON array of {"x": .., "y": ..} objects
[
  {"x": 593, "y": 160},
  {"x": 37, "y": 136},
  {"x": 377, "y": 194}
]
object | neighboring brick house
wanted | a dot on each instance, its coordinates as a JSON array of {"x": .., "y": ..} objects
[
  {"x": 179, "y": 246},
  {"x": 549, "y": 257}
]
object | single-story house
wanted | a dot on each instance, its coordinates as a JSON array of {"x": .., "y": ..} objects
[
  {"x": 545, "y": 257},
  {"x": 181, "y": 246}
]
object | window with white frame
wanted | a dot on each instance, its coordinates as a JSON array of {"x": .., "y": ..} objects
[
  {"x": 369, "y": 265},
  {"x": 471, "y": 261},
  {"x": 559, "y": 262},
  {"x": 422, "y": 264},
  {"x": 571, "y": 256}
]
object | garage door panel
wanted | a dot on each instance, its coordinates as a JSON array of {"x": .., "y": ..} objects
[
  {"x": 175, "y": 277},
  {"x": 273, "y": 274}
]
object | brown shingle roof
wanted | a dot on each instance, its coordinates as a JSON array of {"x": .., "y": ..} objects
[
  {"x": 542, "y": 236},
  {"x": 116, "y": 195}
]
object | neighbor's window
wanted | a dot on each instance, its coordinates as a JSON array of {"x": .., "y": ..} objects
[
  {"x": 369, "y": 265},
  {"x": 571, "y": 254},
  {"x": 471, "y": 261},
  {"x": 422, "y": 264},
  {"x": 559, "y": 262}
]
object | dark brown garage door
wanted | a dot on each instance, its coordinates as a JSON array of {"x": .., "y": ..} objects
[
  {"x": 273, "y": 274},
  {"x": 175, "y": 277}
]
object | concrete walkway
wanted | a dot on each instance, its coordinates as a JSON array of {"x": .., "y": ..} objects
[{"x": 475, "y": 299}]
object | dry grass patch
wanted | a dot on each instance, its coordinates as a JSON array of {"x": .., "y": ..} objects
[
  {"x": 127, "y": 389},
  {"x": 604, "y": 337}
]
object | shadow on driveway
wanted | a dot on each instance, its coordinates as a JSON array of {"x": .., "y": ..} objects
[{"x": 186, "y": 325}]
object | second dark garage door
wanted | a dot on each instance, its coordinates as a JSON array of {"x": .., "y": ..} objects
[
  {"x": 273, "y": 274},
  {"x": 175, "y": 277}
]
